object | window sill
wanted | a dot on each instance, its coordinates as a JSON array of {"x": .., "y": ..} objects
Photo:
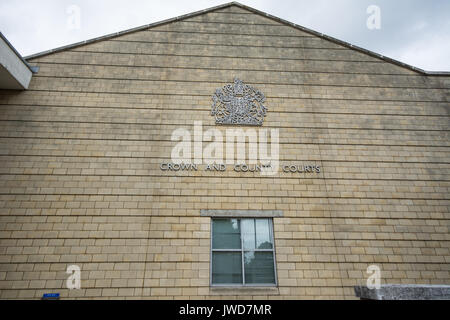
[{"x": 231, "y": 290}]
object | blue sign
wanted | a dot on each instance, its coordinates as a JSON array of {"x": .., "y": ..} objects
[{"x": 50, "y": 296}]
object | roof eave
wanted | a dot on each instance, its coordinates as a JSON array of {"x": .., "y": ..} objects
[{"x": 16, "y": 53}]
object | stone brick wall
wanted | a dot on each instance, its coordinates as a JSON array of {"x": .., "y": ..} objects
[{"x": 80, "y": 151}]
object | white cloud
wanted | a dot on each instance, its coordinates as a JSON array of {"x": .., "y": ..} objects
[{"x": 430, "y": 53}]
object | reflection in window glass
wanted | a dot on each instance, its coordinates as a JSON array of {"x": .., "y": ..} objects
[
  {"x": 248, "y": 233},
  {"x": 226, "y": 234},
  {"x": 262, "y": 235},
  {"x": 259, "y": 267},
  {"x": 226, "y": 267}
]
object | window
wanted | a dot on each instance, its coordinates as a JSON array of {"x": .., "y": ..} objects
[{"x": 242, "y": 252}]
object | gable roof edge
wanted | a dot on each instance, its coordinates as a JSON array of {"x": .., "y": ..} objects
[
  {"x": 128, "y": 31},
  {"x": 256, "y": 11},
  {"x": 344, "y": 43}
]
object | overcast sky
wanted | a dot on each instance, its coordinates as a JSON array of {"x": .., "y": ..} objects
[{"x": 416, "y": 32}]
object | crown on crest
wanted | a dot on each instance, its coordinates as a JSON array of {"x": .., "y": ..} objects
[{"x": 238, "y": 87}]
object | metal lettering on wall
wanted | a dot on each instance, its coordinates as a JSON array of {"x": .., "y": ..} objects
[
  {"x": 242, "y": 167},
  {"x": 238, "y": 104}
]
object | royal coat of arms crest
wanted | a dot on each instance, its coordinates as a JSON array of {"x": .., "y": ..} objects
[{"x": 238, "y": 103}]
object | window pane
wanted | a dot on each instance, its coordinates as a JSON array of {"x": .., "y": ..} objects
[
  {"x": 248, "y": 233},
  {"x": 256, "y": 234},
  {"x": 259, "y": 268},
  {"x": 226, "y": 268},
  {"x": 226, "y": 234},
  {"x": 263, "y": 238}
]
